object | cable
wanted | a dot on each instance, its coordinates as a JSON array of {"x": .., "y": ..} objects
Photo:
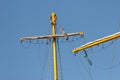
[
  {"x": 28, "y": 46},
  {"x": 118, "y": 26},
  {"x": 59, "y": 56},
  {"x": 59, "y": 25},
  {"x": 45, "y": 62},
  {"x": 47, "y": 59},
  {"x": 112, "y": 66},
  {"x": 91, "y": 78},
  {"x": 113, "y": 57},
  {"x": 110, "y": 72},
  {"x": 49, "y": 73}
]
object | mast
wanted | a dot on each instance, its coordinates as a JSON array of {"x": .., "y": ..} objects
[
  {"x": 53, "y": 36},
  {"x": 53, "y": 18}
]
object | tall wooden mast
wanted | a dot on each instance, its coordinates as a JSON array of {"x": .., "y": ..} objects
[{"x": 53, "y": 36}]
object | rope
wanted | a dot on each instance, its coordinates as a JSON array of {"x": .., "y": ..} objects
[
  {"x": 112, "y": 62},
  {"x": 50, "y": 65},
  {"x": 118, "y": 26},
  {"x": 110, "y": 72},
  {"x": 23, "y": 46},
  {"x": 112, "y": 66},
  {"x": 45, "y": 63},
  {"x": 59, "y": 56},
  {"x": 88, "y": 71},
  {"x": 59, "y": 25}
]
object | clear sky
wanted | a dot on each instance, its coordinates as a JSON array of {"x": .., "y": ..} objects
[{"x": 22, "y": 18}]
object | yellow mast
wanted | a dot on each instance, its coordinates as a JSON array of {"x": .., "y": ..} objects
[
  {"x": 96, "y": 42},
  {"x": 53, "y": 18},
  {"x": 53, "y": 27}
]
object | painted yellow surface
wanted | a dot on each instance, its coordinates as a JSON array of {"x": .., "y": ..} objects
[
  {"x": 97, "y": 42},
  {"x": 53, "y": 27}
]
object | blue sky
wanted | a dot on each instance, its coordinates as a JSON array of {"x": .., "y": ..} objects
[{"x": 21, "y": 18}]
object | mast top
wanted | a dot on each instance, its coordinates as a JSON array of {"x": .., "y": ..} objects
[{"x": 53, "y": 18}]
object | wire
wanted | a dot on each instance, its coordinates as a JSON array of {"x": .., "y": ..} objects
[
  {"x": 59, "y": 25},
  {"x": 70, "y": 40},
  {"x": 88, "y": 71},
  {"x": 110, "y": 72},
  {"x": 28, "y": 45},
  {"x": 112, "y": 66},
  {"x": 118, "y": 26},
  {"x": 59, "y": 56},
  {"x": 50, "y": 65},
  {"x": 45, "y": 62}
]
